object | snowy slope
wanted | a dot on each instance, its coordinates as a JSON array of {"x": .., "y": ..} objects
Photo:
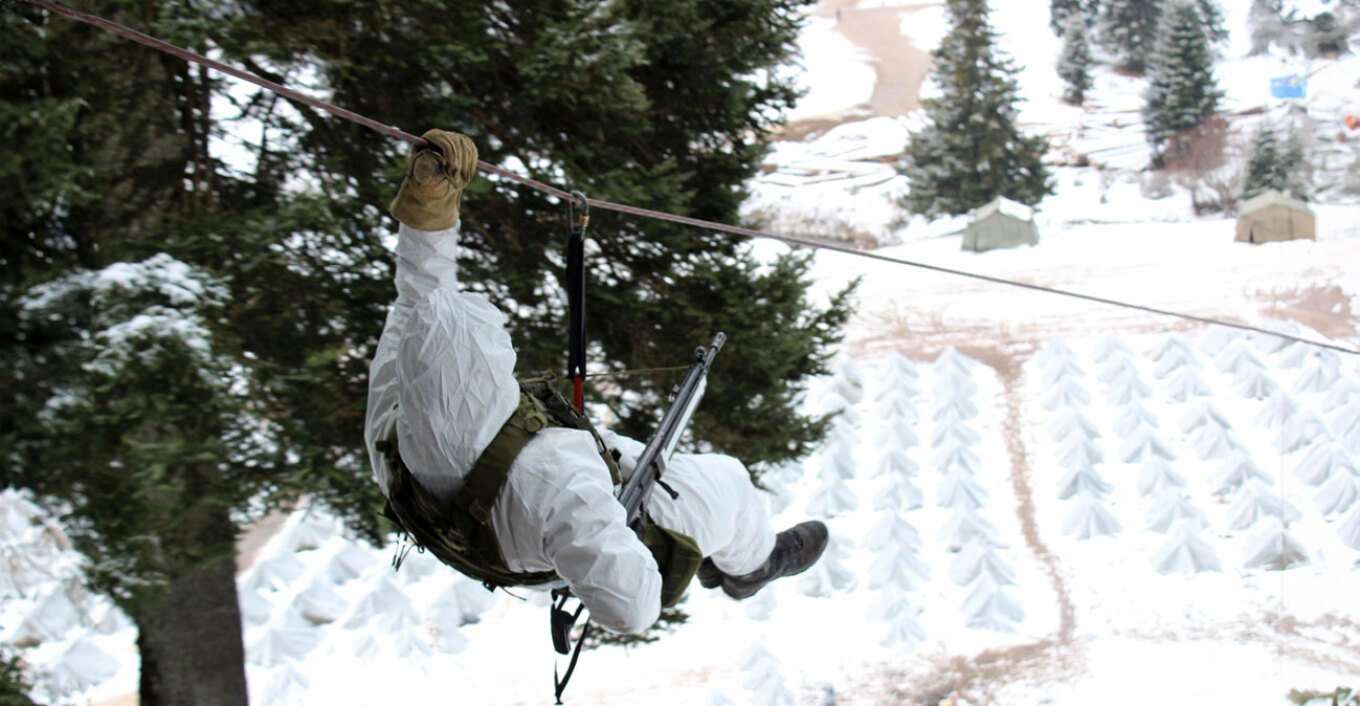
[{"x": 1002, "y": 526}]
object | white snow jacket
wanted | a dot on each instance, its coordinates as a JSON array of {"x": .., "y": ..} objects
[{"x": 443, "y": 378}]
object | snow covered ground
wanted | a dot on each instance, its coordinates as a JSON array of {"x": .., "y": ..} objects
[{"x": 1034, "y": 499}]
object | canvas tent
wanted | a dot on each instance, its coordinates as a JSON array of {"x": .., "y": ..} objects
[
  {"x": 1000, "y": 224},
  {"x": 1273, "y": 216}
]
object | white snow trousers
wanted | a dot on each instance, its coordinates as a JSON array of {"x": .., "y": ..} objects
[{"x": 443, "y": 379}]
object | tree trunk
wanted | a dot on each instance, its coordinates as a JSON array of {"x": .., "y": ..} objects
[{"x": 190, "y": 640}]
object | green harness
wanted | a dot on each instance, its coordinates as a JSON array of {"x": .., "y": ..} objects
[{"x": 459, "y": 532}]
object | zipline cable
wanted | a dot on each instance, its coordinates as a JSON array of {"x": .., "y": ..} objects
[{"x": 395, "y": 132}]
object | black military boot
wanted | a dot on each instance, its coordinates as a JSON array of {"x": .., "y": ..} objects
[{"x": 795, "y": 550}]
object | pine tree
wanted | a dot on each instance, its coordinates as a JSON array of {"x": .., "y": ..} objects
[
  {"x": 1061, "y": 12},
  {"x": 1182, "y": 91},
  {"x": 1267, "y": 24},
  {"x": 971, "y": 152},
  {"x": 1277, "y": 166},
  {"x": 1127, "y": 29},
  {"x": 253, "y": 393},
  {"x": 1212, "y": 16},
  {"x": 1074, "y": 66}
]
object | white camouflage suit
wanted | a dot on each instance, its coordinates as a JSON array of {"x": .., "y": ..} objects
[{"x": 443, "y": 376}]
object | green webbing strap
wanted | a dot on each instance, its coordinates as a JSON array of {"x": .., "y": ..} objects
[{"x": 483, "y": 483}]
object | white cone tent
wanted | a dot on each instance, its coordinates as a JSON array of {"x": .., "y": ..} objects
[
  {"x": 1185, "y": 554},
  {"x": 1350, "y": 529},
  {"x": 896, "y": 567},
  {"x": 954, "y": 384},
  {"x": 1219, "y": 338},
  {"x": 319, "y": 603},
  {"x": 1255, "y": 384},
  {"x": 957, "y": 456},
  {"x": 898, "y": 492},
  {"x": 891, "y": 602},
  {"x": 963, "y": 526},
  {"x": 1110, "y": 347},
  {"x": 1169, "y": 345},
  {"x": 989, "y": 607},
  {"x": 833, "y": 497},
  {"x": 21, "y": 573},
  {"x": 1135, "y": 415},
  {"x": 904, "y": 631},
  {"x": 1186, "y": 384},
  {"x": 1235, "y": 472},
  {"x": 1295, "y": 356},
  {"x": 1215, "y": 442},
  {"x": 1067, "y": 393},
  {"x": 1077, "y": 452},
  {"x": 763, "y": 678},
  {"x": 1275, "y": 549},
  {"x": 1053, "y": 350},
  {"x": 1174, "y": 361},
  {"x": 848, "y": 382},
  {"x": 255, "y": 609},
  {"x": 899, "y": 407},
  {"x": 1347, "y": 420},
  {"x": 388, "y": 604},
  {"x": 1317, "y": 376},
  {"x": 977, "y": 558},
  {"x": 1201, "y": 415},
  {"x": 1061, "y": 369},
  {"x": 960, "y": 490},
  {"x": 1156, "y": 478},
  {"x": 1301, "y": 430},
  {"x": 1172, "y": 510},
  {"x": 418, "y": 565},
  {"x": 1325, "y": 461},
  {"x": 1117, "y": 367},
  {"x": 1267, "y": 343},
  {"x": 897, "y": 365},
  {"x": 1143, "y": 443},
  {"x": 892, "y": 530},
  {"x": 838, "y": 461},
  {"x": 1254, "y": 502},
  {"x": 274, "y": 573},
  {"x": 307, "y": 534},
  {"x": 955, "y": 409},
  {"x": 1126, "y": 389},
  {"x": 896, "y": 463},
  {"x": 80, "y": 666},
  {"x": 349, "y": 563},
  {"x": 842, "y": 434},
  {"x": 51, "y": 617},
  {"x": 829, "y": 574},
  {"x": 951, "y": 358},
  {"x": 954, "y": 432},
  {"x": 1071, "y": 422},
  {"x": 1236, "y": 358},
  {"x": 1278, "y": 409},
  {"x": 1342, "y": 393},
  {"x": 1082, "y": 479},
  {"x": 760, "y": 606},
  {"x": 279, "y": 645},
  {"x": 1338, "y": 494},
  {"x": 898, "y": 434},
  {"x": 446, "y": 619},
  {"x": 1089, "y": 518}
]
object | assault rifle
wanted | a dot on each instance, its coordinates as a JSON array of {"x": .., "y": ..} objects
[
  {"x": 652, "y": 463},
  {"x": 647, "y": 472}
]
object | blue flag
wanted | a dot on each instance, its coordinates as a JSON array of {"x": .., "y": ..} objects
[{"x": 1293, "y": 86}]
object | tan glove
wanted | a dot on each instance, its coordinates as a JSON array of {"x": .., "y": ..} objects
[{"x": 435, "y": 179}]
